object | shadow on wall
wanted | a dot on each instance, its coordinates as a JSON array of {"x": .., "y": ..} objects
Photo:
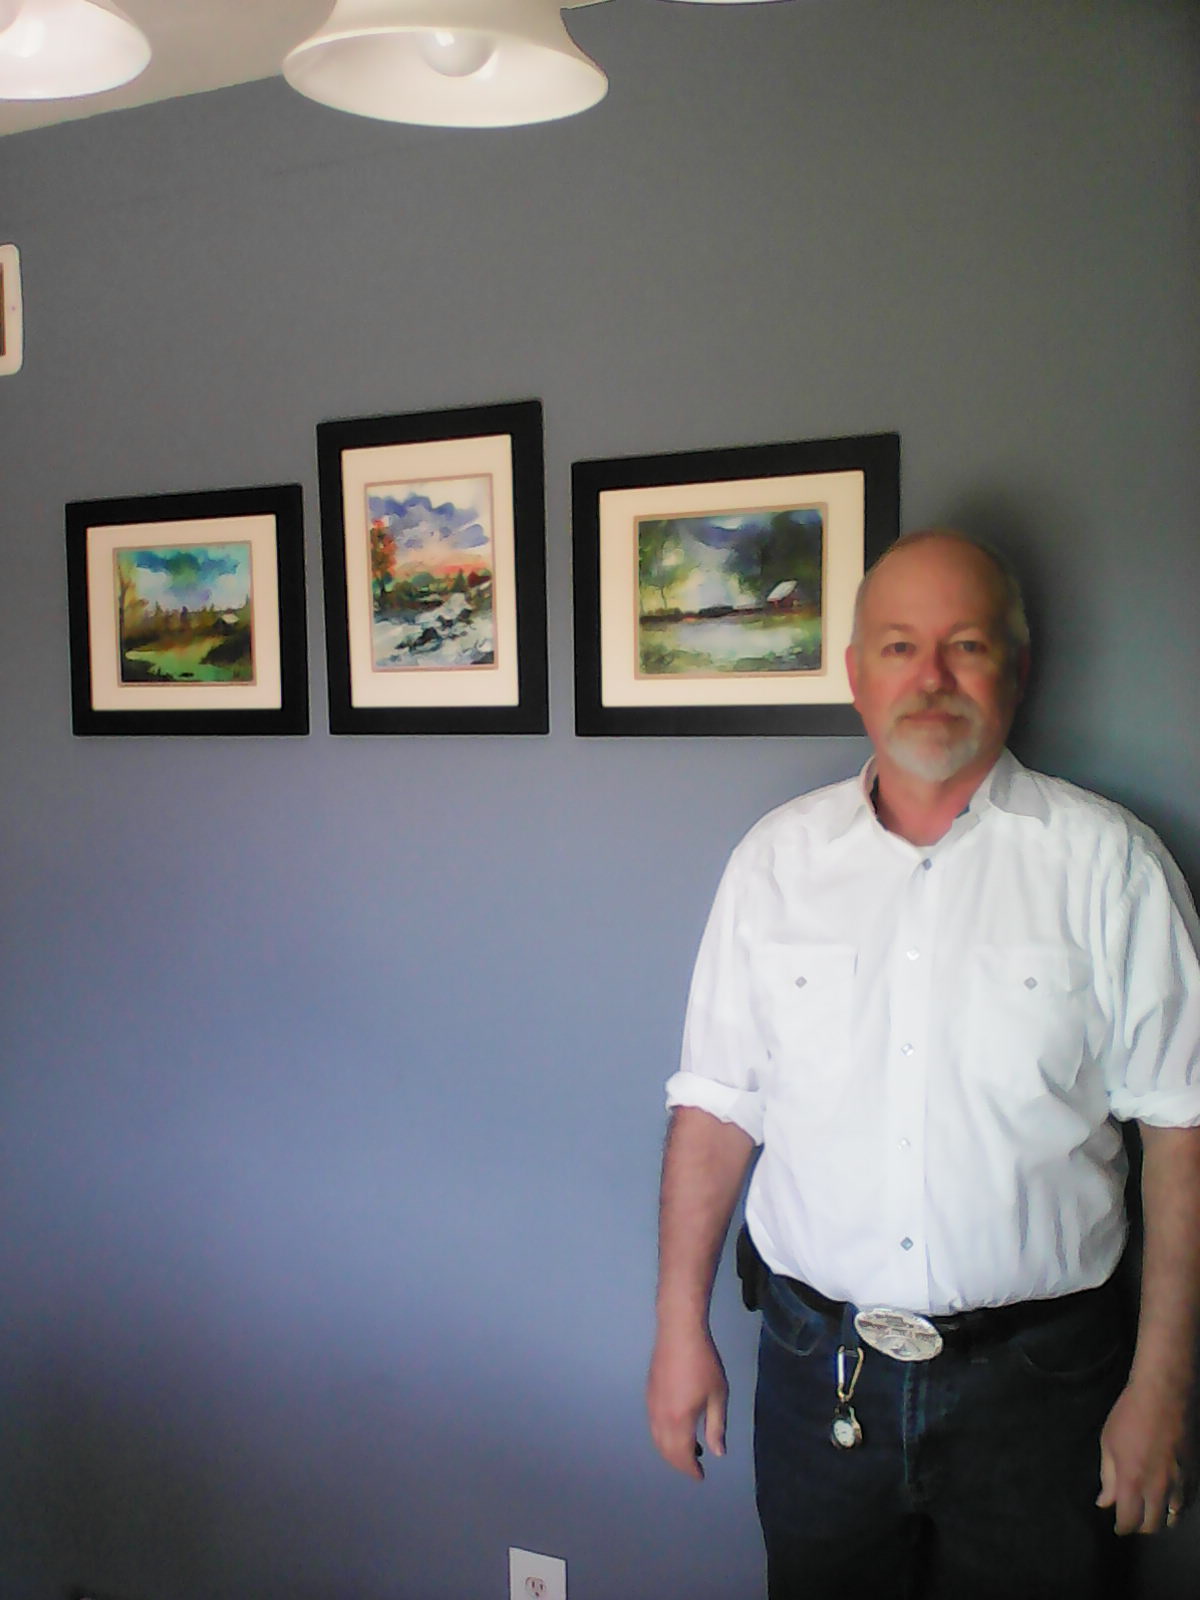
[
  {"x": 1016, "y": 526},
  {"x": 1068, "y": 723}
]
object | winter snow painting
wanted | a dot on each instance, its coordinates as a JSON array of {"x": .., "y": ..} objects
[
  {"x": 730, "y": 592},
  {"x": 184, "y": 613},
  {"x": 432, "y": 574}
]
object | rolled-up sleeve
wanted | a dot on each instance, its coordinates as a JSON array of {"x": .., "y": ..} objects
[
  {"x": 1154, "y": 1065},
  {"x": 721, "y": 1065}
]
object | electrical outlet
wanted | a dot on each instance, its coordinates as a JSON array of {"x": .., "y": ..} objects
[{"x": 534, "y": 1577}]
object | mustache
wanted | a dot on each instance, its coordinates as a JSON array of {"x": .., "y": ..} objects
[{"x": 953, "y": 705}]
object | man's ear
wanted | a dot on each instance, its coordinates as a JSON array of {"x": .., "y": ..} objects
[{"x": 852, "y": 670}]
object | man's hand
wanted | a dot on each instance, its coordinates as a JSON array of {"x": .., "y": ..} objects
[
  {"x": 1141, "y": 1452},
  {"x": 686, "y": 1383}
]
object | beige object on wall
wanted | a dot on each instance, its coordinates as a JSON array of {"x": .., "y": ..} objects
[{"x": 11, "y": 322}]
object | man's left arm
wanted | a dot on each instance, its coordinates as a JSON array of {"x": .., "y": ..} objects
[{"x": 1144, "y": 1447}]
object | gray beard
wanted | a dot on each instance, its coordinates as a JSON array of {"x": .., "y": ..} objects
[{"x": 931, "y": 761}]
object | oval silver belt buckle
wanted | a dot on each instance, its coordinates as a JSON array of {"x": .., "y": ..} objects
[{"x": 903, "y": 1335}]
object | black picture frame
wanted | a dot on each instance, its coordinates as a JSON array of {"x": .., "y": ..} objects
[
  {"x": 415, "y": 665},
  {"x": 268, "y": 523},
  {"x": 853, "y": 485}
]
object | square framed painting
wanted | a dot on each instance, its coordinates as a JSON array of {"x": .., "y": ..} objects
[
  {"x": 434, "y": 545},
  {"x": 187, "y": 613},
  {"x": 714, "y": 589}
]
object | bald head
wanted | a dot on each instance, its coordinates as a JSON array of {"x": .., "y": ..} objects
[{"x": 999, "y": 575}]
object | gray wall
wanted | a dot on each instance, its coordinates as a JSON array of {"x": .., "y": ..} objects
[{"x": 332, "y": 1067}]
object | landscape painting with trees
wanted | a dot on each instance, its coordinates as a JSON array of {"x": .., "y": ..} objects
[
  {"x": 730, "y": 592},
  {"x": 432, "y": 574},
  {"x": 184, "y": 614}
]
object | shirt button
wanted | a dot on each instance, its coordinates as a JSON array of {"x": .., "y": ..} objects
[
  {"x": 906, "y": 1244},
  {"x": 926, "y": 864},
  {"x": 913, "y": 955},
  {"x": 904, "y": 1145},
  {"x": 906, "y": 1049}
]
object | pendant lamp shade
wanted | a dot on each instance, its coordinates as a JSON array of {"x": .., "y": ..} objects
[
  {"x": 447, "y": 63},
  {"x": 56, "y": 49}
]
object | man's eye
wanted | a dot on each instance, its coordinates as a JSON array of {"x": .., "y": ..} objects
[
  {"x": 897, "y": 647},
  {"x": 971, "y": 646}
]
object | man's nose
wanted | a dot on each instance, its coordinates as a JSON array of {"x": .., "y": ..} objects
[{"x": 935, "y": 671}]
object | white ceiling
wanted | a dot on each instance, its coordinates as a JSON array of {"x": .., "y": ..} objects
[{"x": 197, "y": 45}]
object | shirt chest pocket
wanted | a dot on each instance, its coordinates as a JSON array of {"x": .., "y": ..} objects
[
  {"x": 804, "y": 996},
  {"x": 1028, "y": 1008}
]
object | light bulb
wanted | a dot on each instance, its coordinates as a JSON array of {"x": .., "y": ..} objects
[{"x": 456, "y": 55}]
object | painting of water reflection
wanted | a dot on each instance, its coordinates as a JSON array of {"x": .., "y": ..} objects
[
  {"x": 432, "y": 574},
  {"x": 731, "y": 593},
  {"x": 185, "y": 614}
]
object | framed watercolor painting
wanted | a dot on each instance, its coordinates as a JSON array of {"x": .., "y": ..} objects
[
  {"x": 187, "y": 613},
  {"x": 433, "y": 536},
  {"x": 714, "y": 589}
]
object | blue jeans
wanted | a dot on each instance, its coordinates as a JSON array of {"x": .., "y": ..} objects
[{"x": 977, "y": 1474}]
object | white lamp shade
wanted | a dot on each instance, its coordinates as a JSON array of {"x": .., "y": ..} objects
[
  {"x": 56, "y": 49},
  {"x": 447, "y": 63}
]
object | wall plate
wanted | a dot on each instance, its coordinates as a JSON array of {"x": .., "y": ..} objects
[
  {"x": 535, "y": 1577},
  {"x": 11, "y": 326}
]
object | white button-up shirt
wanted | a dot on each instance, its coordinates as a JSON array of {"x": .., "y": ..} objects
[{"x": 931, "y": 1042}]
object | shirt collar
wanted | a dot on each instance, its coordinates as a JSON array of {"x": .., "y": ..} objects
[
  {"x": 1011, "y": 788},
  {"x": 850, "y": 808},
  {"x": 1006, "y": 788}
]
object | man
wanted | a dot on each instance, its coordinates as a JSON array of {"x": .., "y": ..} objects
[{"x": 927, "y": 994}]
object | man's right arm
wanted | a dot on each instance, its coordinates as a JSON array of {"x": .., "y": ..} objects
[{"x": 704, "y": 1163}]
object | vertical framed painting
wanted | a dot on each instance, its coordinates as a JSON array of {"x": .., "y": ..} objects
[
  {"x": 433, "y": 538},
  {"x": 187, "y": 613},
  {"x": 714, "y": 589}
]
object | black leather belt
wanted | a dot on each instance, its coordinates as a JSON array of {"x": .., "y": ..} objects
[{"x": 971, "y": 1329}]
